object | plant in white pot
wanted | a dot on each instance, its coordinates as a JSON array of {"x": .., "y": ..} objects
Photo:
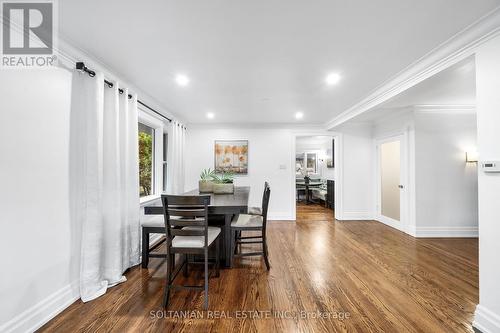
[
  {"x": 223, "y": 183},
  {"x": 206, "y": 182}
]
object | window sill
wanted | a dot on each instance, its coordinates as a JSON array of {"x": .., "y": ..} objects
[{"x": 148, "y": 199}]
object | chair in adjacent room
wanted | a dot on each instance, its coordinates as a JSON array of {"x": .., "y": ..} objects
[
  {"x": 247, "y": 222},
  {"x": 188, "y": 233}
]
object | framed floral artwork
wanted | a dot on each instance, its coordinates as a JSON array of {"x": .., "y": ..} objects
[{"x": 231, "y": 156}]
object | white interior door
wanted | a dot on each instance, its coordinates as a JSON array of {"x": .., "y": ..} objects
[{"x": 390, "y": 207}]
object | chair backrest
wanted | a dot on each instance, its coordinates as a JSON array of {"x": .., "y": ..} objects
[
  {"x": 266, "y": 186},
  {"x": 265, "y": 204},
  {"x": 185, "y": 211}
]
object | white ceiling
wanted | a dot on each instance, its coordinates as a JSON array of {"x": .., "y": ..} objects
[
  {"x": 261, "y": 61},
  {"x": 455, "y": 85}
]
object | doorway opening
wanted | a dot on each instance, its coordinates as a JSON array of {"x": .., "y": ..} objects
[{"x": 315, "y": 172}]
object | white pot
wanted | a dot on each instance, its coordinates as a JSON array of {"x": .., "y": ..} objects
[
  {"x": 206, "y": 186},
  {"x": 223, "y": 188}
]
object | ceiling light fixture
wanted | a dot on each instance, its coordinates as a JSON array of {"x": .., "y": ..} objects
[
  {"x": 210, "y": 115},
  {"x": 182, "y": 80},
  {"x": 299, "y": 115},
  {"x": 332, "y": 78}
]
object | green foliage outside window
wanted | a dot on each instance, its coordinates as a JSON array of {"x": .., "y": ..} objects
[{"x": 145, "y": 163}]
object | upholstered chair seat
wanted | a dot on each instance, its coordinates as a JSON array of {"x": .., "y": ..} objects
[
  {"x": 246, "y": 221},
  {"x": 195, "y": 241}
]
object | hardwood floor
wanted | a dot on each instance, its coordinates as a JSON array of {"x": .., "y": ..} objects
[{"x": 359, "y": 276}]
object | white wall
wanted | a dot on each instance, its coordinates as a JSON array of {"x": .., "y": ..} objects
[
  {"x": 38, "y": 243},
  {"x": 446, "y": 186},
  {"x": 356, "y": 158},
  {"x": 270, "y": 155},
  {"x": 440, "y": 188},
  {"x": 487, "y": 316}
]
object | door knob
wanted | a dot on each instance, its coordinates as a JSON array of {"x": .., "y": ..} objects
[{"x": 400, "y": 186}]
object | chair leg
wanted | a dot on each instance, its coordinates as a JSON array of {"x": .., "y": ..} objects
[
  {"x": 206, "y": 279},
  {"x": 166, "y": 295},
  {"x": 145, "y": 248},
  {"x": 217, "y": 257},
  {"x": 264, "y": 248},
  {"x": 185, "y": 270},
  {"x": 233, "y": 245},
  {"x": 235, "y": 238}
]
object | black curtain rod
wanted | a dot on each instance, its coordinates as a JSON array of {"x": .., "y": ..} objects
[{"x": 81, "y": 67}]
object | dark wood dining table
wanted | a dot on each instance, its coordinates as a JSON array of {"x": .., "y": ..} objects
[{"x": 226, "y": 205}]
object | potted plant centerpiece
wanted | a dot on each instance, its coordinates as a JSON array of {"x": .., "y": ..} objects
[
  {"x": 223, "y": 183},
  {"x": 206, "y": 182}
]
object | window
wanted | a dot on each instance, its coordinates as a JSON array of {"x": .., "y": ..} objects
[
  {"x": 146, "y": 160},
  {"x": 311, "y": 159},
  {"x": 153, "y": 142},
  {"x": 308, "y": 160},
  {"x": 299, "y": 161}
]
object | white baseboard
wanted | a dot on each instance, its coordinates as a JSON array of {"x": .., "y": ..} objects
[
  {"x": 280, "y": 217},
  {"x": 42, "y": 312},
  {"x": 446, "y": 232},
  {"x": 431, "y": 232},
  {"x": 485, "y": 320},
  {"x": 390, "y": 222},
  {"x": 355, "y": 216}
]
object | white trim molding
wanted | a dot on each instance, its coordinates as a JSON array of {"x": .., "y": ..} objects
[
  {"x": 356, "y": 216},
  {"x": 447, "y": 232},
  {"x": 390, "y": 222},
  {"x": 280, "y": 217},
  {"x": 485, "y": 320},
  {"x": 455, "y": 49},
  {"x": 36, "y": 316},
  {"x": 445, "y": 109}
]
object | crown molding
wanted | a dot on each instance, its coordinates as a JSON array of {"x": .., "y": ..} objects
[
  {"x": 457, "y": 48},
  {"x": 291, "y": 126},
  {"x": 445, "y": 109}
]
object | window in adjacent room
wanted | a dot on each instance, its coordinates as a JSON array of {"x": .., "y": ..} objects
[{"x": 308, "y": 160}]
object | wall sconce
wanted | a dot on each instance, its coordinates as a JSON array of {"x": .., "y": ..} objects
[{"x": 471, "y": 157}]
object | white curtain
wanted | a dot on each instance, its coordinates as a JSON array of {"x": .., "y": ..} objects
[
  {"x": 105, "y": 182},
  {"x": 176, "y": 158}
]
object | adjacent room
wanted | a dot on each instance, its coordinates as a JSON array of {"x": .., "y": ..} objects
[
  {"x": 230, "y": 166},
  {"x": 315, "y": 172}
]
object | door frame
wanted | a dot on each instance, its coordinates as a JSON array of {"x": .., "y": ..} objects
[{"x": 403, "y": 223}]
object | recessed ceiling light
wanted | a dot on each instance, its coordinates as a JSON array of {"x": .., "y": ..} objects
[
  {"x": 210, "y": 115},
  {"x": 182, "y": 80},
  {"x": 299, "y": 115},
  {"x": 332, "y": 78}
]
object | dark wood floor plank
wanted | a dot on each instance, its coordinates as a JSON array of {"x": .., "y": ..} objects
[{"x": 385, "y": 280}]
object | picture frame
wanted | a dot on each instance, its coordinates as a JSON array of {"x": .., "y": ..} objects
[{"x": 231, "y": 156}]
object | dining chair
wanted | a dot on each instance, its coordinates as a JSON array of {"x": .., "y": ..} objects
[
  {"x": 151, "y": 224},
  {"x": 188, "y": 233},
  {"x": 247, "y": 222},
  {"x": 258, "y": 210}
]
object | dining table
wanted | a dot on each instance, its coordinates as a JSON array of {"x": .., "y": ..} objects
[
  {"x": 307, "y": 186},
  {"x": 221, "y": 205}
]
